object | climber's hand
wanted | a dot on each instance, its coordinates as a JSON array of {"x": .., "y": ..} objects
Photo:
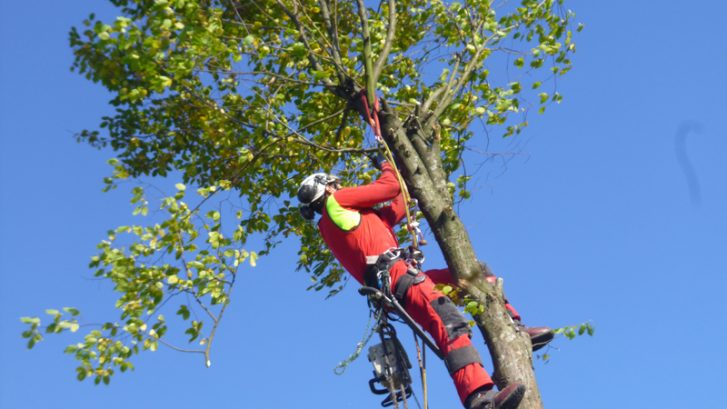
[{"x": 377, "y": 159}]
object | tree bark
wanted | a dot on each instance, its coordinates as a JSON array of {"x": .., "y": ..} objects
[{"x": 420, "y": 166}]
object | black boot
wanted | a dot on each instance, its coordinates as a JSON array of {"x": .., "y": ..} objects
[
  {"x": 539, "y": 336},
  {"x": 507, "y": 398}
]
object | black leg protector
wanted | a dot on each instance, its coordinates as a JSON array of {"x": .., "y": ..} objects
[
  {"x": 461, "y": 357},
  {"x": 453, "y": 320}
]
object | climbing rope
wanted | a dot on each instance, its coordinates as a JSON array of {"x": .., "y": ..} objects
[
  {"x": 371, "y": 327},
  {"x": 372, "y": 117},
  {"x": 422, "y": 360}
]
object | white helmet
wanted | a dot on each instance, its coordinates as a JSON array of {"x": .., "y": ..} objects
[{"x": 311, "y": 189}]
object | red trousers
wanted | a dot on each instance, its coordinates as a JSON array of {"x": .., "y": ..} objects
[
  {"x": 420, "y": 302},
  {"x": 443, "y": 276}
]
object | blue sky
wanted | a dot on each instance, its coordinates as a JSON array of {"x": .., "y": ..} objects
[{"x": 592, "y": 220}]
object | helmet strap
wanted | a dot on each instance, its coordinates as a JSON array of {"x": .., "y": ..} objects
[{"x": 317, "y": 205}]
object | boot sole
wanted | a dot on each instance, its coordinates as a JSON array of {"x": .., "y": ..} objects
[
  {"x": 513, "y": 400},
  {"x": 542, "y": 340}
]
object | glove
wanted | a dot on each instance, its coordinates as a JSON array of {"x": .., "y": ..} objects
[{"x": 377, "y": 159}]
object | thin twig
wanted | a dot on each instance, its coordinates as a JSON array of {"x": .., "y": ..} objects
[
  {"x": 178, "y": 349},
  {"x": 304, "y": 38},
  {"x": 335, "y": 46}
]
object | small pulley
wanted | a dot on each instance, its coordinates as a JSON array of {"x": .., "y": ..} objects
[{"x": 391, "y": 367}]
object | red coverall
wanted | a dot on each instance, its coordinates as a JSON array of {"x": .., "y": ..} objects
[{"x": 351, "y": 243}]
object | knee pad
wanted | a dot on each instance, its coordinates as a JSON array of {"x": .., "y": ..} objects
[{"x": 452, "y": 319}]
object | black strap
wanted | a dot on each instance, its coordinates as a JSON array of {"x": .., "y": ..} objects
[
  {"x": 376, "y": 265},
  {"x": 458, "y": 358},
  {"x": 371, "y": 277},
  {"x": 409, "y": 279}
]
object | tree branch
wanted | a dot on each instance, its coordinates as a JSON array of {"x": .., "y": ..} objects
[
  {"x": 335, "y": 45},
  {"x": 213, "y": 331},
  {"x": 444, "y": 88},
  {"x": 428, "y": 148},
  {"x": 176, "y": 348},
  {"x": 344, "y": 120},
  {"x": 370, "y": 80},
  {"x": 391, "y": 29},
  {"x": 456, "y": 86},
  {"x": 293, "y": 15},
  {"x": 204, "y": 308}
]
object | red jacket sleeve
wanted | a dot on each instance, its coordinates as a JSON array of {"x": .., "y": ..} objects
[
  {"x": 366, "y": 196},
  {"x": 393, "y": 213}
]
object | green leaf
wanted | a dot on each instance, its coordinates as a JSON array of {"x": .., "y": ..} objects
[
  {"x": 69, "y": 325},
  {"x": 166, "y": 82},
  {"x": 193, "y": 330},
  {"x": 319, "y": 75},
  {"x": 298, "y": 50},
  {"x": 214, "y": 238},
  {"x": 30, "y": 320},
  {"x": 71, "y": 310},
  {"x": 249, "y": 40},
  {"x": 183, "y": 311}
]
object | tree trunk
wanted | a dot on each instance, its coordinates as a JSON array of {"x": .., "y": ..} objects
[{"x": 420, "y": 165}]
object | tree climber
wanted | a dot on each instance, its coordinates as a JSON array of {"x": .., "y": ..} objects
[{"x": 357, "y": 225}]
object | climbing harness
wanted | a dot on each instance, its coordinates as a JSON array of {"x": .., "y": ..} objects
[{"x": 391, "y": 364}]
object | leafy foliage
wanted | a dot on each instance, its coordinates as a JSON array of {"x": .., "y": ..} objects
[
  {"x": 249, "y": 91},
  {"x": 253, "y": 95},
  {"x": 185, "y": 264},
  {"x": 571, "y": 332}
]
